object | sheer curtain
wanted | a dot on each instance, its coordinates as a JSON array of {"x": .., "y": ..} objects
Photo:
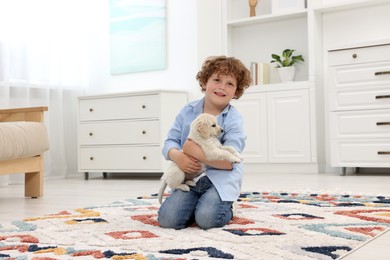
[{"x": 44, "y": 61}]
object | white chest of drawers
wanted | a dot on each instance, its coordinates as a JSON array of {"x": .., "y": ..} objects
[
  {"x": 359, "y": 104},
  {"x": 125, "y": 132}
]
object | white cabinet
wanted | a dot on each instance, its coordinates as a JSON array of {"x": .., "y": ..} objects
[
  {"x": 288, "y": 126},
  {"x": 277, "y": 123},
  {"x": 359, "y": 106},
  {"x": 124, "y": 132}
]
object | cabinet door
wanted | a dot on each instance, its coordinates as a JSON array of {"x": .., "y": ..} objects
[
  {"x": 253, "y": 108},
  {"x": 288, "y": 126}
]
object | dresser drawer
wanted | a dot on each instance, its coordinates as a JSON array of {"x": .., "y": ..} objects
[
  {"x": 363, "y": 153},
  {"x": 113, "y": 108},
  {"x": 121, "y": 158},
  {"x": 359, "y": 55},
  {"x": 357, "y": 98},
  {"x": 120, "y": 132},
  {"x": 345, "y": 76},
  {"x": 360, "y": 124}
]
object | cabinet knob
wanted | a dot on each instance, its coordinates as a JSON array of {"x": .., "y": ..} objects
[
  {"x": 91, "y": 110},
  {"x": 90, "y": 134},
  {"x": 354, "y": 55},
  {"x": 143, "y": 106},
  {"x": 91, "y": 158},
  {"x": 144, "y": 158},
  {"x": 143, "y": 132}
]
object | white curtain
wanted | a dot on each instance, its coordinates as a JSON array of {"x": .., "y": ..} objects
[{"x": 44, "y": 61}]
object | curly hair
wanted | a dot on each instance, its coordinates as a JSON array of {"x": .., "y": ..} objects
[{"x": 225, "y": 66}]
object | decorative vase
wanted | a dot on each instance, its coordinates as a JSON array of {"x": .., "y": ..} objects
[
  {"x": 286, "y": 74},
  {"x": 252, "y": 5}
]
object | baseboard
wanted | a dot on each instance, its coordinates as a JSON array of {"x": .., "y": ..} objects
[{"x": 283, "y": 167}]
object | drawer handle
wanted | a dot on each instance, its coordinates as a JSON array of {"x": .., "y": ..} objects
[
  {"x": 90, "y": 134},
  {"x": 382, "y": 73},
  {"x": 354, "y": 55},
  {"x": 91, "y": 158},
  {"x": 143, "y": 106},
  {"x": 143, "y": 132},
  {"x": 383, "y": 152},
  {"x": 91, "y": 110},
  {"x": 144, "y": 158},
  {"x": 383, "y": 96},
  {"x": 382, "y": 123}
]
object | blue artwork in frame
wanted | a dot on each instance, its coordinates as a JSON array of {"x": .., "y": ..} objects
[{"x": 137, "y": 35}]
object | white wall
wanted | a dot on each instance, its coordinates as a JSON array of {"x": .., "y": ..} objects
[
  {"x": 210, "y": 31},
  {"x": 182, "y": 55}
]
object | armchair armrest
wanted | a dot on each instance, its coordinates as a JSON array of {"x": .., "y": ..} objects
[{"x": 33, "y": 114}]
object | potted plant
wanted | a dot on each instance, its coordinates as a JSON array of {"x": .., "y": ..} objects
[{"x": 285, "y": 64}]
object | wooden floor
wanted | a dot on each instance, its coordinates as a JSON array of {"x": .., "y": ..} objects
[{"x": 76, "y": 192}]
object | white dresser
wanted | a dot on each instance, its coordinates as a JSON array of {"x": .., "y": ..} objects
[
  {"x": 124, "y": 132},
  {"x": 359, "y": 104}
]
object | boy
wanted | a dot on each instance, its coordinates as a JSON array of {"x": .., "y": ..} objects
[{"x": 209, "y": 203}]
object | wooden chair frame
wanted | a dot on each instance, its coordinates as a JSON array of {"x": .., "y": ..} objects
[{"x": 33, "y": 167}]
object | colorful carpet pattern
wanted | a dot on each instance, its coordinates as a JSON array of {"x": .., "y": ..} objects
[{"x": 266, "y": 226}]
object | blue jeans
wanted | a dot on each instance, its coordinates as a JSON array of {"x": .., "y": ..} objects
[{"x": 201, "y": 205}]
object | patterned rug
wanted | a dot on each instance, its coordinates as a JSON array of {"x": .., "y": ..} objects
[{"x": 266, "y": 226}]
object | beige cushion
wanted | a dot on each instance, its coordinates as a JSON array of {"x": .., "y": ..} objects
[{"x": 22, "y": 139}]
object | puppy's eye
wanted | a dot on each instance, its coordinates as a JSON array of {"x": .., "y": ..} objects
[{"x": 213, "y": 125}]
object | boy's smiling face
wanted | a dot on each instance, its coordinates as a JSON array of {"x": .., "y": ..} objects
[{"x": 220, "y": 89}]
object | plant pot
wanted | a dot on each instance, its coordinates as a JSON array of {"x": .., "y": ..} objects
[{"x": 286, "y": 74}]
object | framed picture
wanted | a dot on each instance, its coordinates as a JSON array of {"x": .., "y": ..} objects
[
  {"x": 279, "y": 6},
  {"x": 137, "y": 35}
]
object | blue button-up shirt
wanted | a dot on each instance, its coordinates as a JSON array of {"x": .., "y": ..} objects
[{"x": 227, "y": 182}]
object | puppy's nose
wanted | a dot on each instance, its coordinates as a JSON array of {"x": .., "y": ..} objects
[{"x": 221, "y": 130}]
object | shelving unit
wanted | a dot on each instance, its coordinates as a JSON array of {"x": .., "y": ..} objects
[
  {"x": 273, "y": 108},
  {"x": 266, "y": 18},
  {"x": 254, "y": 39}
]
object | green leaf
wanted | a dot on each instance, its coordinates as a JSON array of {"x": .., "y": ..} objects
[{"x": 287, "y": 59}]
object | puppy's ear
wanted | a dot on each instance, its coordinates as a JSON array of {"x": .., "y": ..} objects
[{"x": 203, "y": 130}]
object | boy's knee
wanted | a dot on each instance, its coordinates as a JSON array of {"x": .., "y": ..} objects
[
  {"x": 168, "y": 222},
  {"x": 207, "y": 219}
]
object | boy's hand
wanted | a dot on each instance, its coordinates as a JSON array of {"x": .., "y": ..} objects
[
  {"x": 191, "y": 148},
  {"x": 189, "y": 165},
  {"x": 186, "y": 163}
]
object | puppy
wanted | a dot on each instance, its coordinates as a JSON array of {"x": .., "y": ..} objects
[{"x": 204, "y": 130}]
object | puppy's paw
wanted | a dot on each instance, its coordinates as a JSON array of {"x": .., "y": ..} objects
[
  {"x": 183, "y": 187},
  {"x": 191, "y": 183},
  {"x": 237, "y": 159}
]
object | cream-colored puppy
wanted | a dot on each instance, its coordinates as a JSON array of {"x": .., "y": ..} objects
[{"x": 204, "y": 131}]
